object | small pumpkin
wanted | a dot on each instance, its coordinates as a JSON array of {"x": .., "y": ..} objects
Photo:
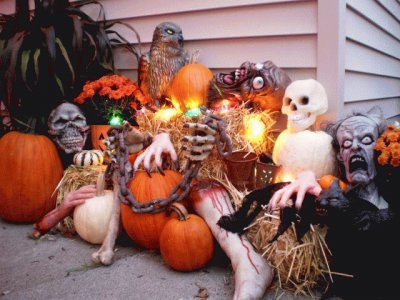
[
  {"x": 145, "y": 228},
  {"x": 98, "y": 134},
  {"x": 326, "y": 181},
  {"x": 186, "y": 242},
  {"x": 91, "y": 219},
  {"x": 189, "y": 87},
  {"x": 88, "y": 158},
  {"x": 30, "y": 169}
]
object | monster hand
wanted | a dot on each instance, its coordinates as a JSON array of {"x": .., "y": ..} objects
[
  {"x": 160, "y": 146},
  {"x": 202, "y": 141}
]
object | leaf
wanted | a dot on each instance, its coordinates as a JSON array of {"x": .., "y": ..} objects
[
  {"x": 59, "y": 83},
  {"x": 50, "y": 38},
  {"x": 36, "y": 62},
  {"x": 66, "y": 57},
  {"x": 24, "y": 64}
]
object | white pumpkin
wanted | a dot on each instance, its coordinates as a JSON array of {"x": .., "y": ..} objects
[
  {"x": 88, "y": 158},
  {"x": 91, "y": 218}
]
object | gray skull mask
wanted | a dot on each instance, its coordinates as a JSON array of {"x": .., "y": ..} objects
[{"x": 68, "y": 128}]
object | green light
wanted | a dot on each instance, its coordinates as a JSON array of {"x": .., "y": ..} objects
[
  {"x": 115, "y": 120},
  {"x": 194, "y": 112}
]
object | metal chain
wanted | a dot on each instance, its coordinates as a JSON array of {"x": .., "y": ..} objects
[{"x": 119, "y": 160}]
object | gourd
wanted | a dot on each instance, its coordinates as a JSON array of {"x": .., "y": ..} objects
[
  {"x": 88, "y": 158},
  {"x": 145, "y": 228},
  {"x": 91, "y": 218},
  {"x": 189, "y": 87},
  {"x": 186, "y": 242},
  {"x": 30, "y": 169}
]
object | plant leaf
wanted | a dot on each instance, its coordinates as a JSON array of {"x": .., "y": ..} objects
[
  {"x": 24, "y": 64},
  {"x": 50, "y": 38},
  {"x": 59, "y": 83},
  {"x": 66, "y": 57},
  {"x": 36, "y": 62}
]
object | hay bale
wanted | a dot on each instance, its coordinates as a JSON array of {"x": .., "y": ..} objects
[{"x": 300, "y": 267}]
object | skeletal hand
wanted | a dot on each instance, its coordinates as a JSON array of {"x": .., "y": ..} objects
[
  {"x": 161, "y": 145},
  {"x": 202, "y": 141}
]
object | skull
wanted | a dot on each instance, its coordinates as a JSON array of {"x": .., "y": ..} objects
[
  {"x": 68, "y": 128},
  {"x": 303, "y": 101}
]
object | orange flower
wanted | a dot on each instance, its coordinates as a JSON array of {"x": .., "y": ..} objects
[
  {"x": 389, "y": 146},
  {"x": 395, "y": 162}
]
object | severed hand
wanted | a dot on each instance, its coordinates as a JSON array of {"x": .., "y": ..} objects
[
  {"x": 160, "y": 146},
  {"x": 201, "y": 141}
]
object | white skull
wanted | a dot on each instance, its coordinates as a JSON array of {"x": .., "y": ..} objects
[
  {"x": 303, "y": 101},
  {"x": 68, "y": 128}
]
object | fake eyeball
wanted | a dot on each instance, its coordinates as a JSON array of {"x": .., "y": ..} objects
[{"x": 258, "y": 83}]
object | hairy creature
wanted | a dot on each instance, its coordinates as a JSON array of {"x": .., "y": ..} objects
[{"x": 263, "y": 84}]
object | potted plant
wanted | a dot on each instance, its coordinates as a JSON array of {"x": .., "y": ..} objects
[{"x": 46, "y": 58}]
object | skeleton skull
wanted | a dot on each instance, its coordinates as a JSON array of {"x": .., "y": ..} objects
[
  {"x": 303, "y": 101},
  {"x": 68, "y": 128}
]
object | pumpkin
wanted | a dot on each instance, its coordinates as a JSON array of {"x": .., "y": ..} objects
[
  {"x": 326, "y": 181},
  {"x": 189, "y": 87},
  {"x": 30, "y": 169},
  {"x": 88, "y": 158},
  {"x": 145, "y": 228},
  {"x": 98, "y": 134},
  {"x": 91, "y": 218},
  {"x": 186, "y": 242}
]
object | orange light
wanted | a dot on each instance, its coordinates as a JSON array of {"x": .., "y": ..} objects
[
  {"x": 166, "y": 114},
  {"x": 254, "y": 129}
]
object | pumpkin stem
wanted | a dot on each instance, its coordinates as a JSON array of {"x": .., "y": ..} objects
[
  {"x": 181, "y": 210},
  {"x": 100, "y": 185}
]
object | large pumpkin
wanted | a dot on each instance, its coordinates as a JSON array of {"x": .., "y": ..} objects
[
  {"x": 186, "y": 242},
  {"x": 30, "y": 169},
  {"x": 189, "y": 87},
  {"x": 145, "y": 228}
]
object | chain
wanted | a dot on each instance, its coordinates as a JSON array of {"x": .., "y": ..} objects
[{"x": 119, "y": 161}]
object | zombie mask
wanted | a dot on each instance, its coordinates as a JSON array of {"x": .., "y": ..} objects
[
  {"x": 356, "y": 137},
  {"x": 262, "y": 83},
  {"x": 303, "y": 101},
  {"x": 68, "y": 128}
]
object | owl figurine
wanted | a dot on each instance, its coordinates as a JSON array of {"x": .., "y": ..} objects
[{"x": 158, "y": 67}]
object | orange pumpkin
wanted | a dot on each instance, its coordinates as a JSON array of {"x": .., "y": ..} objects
[
  {"x": 186, "y": 242},
  {"x": 189, "y": 87},
  {"x": 145, "y": 228},
  {"x": 98, "y": 134},
  {"x": 326, "y": 181},
  {"x": 30, "y": 169}
]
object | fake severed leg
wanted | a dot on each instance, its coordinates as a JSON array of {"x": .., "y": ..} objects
[{"x": 252, "y": 273}]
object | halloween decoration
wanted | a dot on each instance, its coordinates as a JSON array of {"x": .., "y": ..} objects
[
  {"x": 252, "y": 273},
  {"x": 68, "y": 128},
  {"x": 98, "y": 135},
  {"x": 28, "y": 178},
  {"x": 297, "y": 148},
  {"x": 91, "y": 219},
  {"x": 186, "y": 242},
  {"x": 262, "y": 83},
  {"x": 145, "y": 228},
  {"x": 88, "y": 158},
  {"x": 158, "y": 67},
  {"x": 240, "y": 167},
  {"x": 190, "y": 86}
]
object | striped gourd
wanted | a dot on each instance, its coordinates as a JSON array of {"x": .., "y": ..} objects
[{"x": 88, "y": 158}]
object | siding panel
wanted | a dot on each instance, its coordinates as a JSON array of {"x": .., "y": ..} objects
[
  {"x": 286, "y": 52},
  {"x": 363, "y": 31},
  {"x": 362, "y": 59},
  {"x": 360, "y": 87},
  {"x": 390, "y": 107}
]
